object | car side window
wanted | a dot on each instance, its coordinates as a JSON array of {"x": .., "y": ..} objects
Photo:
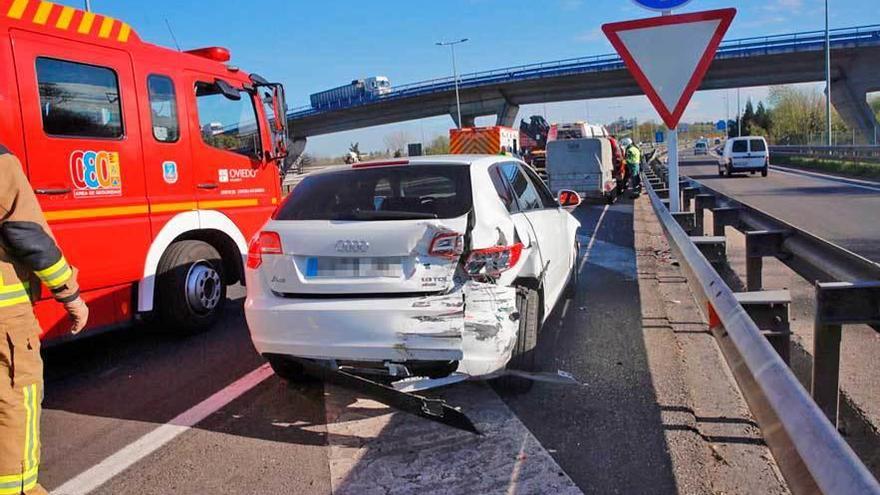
[
  {"x": 505, "y": 194},
  {"x": 526, "y": 194},
  {"x": 543, "y": 192}
]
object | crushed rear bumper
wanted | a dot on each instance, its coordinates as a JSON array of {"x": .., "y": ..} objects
[{"x": 475, "y": 324}]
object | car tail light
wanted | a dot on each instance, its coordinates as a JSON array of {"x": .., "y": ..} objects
[
  {"x": 263, "y": 243},
  {"x": 447, "y": 245},
  {"x": 494, "y": 260}
]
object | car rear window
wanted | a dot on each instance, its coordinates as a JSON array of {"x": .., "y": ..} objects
[
  {"x": 382, "y": 193},
  {"x": 758, "y": 145},
  {"x": 701, "y": 145},
  {"x": 741, "y": 146}
]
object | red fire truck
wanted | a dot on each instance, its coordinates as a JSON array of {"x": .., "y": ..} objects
[{"x": 154, "y": 167}]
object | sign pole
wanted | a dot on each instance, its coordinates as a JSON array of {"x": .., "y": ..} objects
[{"x": 674, "y": 195}]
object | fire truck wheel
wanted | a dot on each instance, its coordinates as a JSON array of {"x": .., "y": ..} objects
[{"x": 190, "y": 287}]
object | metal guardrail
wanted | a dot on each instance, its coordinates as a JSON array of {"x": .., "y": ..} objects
[
  {"x": 761, "y": 45},
  {"x": 811, "y": 454},
  {"x": 868, "y": 154}
]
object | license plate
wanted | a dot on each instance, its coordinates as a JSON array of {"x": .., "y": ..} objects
[{"x": 373, "y": 267}]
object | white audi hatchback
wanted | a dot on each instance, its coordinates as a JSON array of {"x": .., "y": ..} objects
[{"x": 429, "y": 267}]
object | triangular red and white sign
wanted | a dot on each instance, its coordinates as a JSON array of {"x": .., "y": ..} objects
[{"x": 669, "y": 55}]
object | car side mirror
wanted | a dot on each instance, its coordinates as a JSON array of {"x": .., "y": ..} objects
[{"x": 569, "y": 200}]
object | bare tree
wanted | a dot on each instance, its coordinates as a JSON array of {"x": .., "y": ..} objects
[{"x": 396, "y": 142}]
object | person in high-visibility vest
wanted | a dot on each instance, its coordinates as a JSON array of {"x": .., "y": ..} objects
[
  {"x": 633, "y": 157},
  {"x": 28, "y": 253}
]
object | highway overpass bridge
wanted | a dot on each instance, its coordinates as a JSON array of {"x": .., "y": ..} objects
[{"x": 760, "y": 61}]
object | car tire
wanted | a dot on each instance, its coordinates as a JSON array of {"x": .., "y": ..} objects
[
  {"x": 764, "y": 172},
  {"x": 190, "y": 287},
  {"x": 289, "y": 370},
  {"x": 523, "y": 358},
  {"x": 720, "y": 172}
]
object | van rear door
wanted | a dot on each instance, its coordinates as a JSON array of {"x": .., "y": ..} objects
[
  {"x": 757, "y": 153},
  {"x": 80, "y": 120},
  {"x": 739, "y": 154}
]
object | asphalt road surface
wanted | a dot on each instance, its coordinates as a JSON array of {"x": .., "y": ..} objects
[
  {"x": 841, "y": 211},
  {"x": 145, "y": 411}
]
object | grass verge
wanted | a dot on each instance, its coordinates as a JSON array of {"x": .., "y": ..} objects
[{"x": 860, "y": 170}]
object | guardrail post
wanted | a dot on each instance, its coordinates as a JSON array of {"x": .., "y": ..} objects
[
  {"x": 685, "y": 219},
  {"x": 701, "y": 202},
  {"x": 722, "y": 217},
  {"x": 687, "y": 194},
  {"x": 770, "y": 312},
  {"x": 714, "y": 249},
  {"x": 838, "y": 303},
  {"x": 760, "y": 243}
]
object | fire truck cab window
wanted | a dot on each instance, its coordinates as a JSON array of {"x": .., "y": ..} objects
[
  {"x": 79, "y": 100},
  {"x": 163, "y": 109},
  {"x": 227, "y": 124}
]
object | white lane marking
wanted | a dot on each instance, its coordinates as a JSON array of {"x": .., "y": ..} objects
[
  {"x": 592, "y": 239},
  {"x": 840, "y": 181},
  {"x": 124, "y": 458},
  {"x": 565, "y": 309}
]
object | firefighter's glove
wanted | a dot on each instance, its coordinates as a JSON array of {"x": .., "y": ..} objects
[{"x": 79, "y": 314}]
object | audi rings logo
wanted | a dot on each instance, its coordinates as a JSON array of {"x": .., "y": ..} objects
[{"x": 352, "y": 246}]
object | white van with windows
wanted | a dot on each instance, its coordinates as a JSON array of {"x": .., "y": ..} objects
[{"x": 745, "y": 154}]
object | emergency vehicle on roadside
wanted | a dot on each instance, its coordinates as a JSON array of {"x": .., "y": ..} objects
[
  {"x": 153, "y": 166},
  {"x": 483, "y": 140}
]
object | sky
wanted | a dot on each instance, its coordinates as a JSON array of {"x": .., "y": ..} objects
[{"x": 310, "y": 46}]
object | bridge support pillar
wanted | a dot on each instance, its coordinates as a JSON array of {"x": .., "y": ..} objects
[
  {"x": 849, "y": 95},
  {"x": 466, "y": 120},
  {"x": 507, "y": 115}
]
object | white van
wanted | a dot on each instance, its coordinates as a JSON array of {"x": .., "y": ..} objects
[
  {"x": 745, "y": 154},
  {"x": 582, "y": 165}
]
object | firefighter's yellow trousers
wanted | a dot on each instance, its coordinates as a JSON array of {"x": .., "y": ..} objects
[{"x": 21, "y": 394}]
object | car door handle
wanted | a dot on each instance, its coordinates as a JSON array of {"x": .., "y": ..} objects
[
  {"x": 53, "y": 191},
  {"x": 208, "y": 185}
]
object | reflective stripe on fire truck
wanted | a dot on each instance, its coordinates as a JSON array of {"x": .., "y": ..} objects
[
  {"x": 42, "y": 13},
  {"x": 56, "y": 275},
  {"x": 118, "y": 211}
]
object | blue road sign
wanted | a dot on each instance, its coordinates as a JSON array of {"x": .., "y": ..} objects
[
  {"x": 661, "y": 4},
  {"x": 720, "y": 125},
  {"x": 659, "y": 136}
]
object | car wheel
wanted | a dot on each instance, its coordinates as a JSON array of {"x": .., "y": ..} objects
[
  {"x": 764, "y": 172},
  {"x": 288, "y": 369},
  {"x": 571, "y": 287},
  {"x": 190, "y": 287},
  {"x": 523, "y": 358},
  {"x": 720, "y": 172}
]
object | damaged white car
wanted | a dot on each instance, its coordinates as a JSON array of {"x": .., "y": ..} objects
[{"x": 429, "y": 270}]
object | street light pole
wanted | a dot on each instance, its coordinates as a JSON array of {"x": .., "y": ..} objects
[
  {"x": 451, "y": 45},
  {"x": 827, "y": 79},
  {"x": 88, "y": 6}
]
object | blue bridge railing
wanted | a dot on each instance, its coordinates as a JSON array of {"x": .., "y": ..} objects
[{"x": 745, "y": 47}]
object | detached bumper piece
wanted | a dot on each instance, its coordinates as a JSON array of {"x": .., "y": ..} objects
[{"x": 432, "y": 409}]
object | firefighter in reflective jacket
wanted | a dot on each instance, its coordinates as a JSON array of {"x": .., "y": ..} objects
[{"x": 28, "y": 256}]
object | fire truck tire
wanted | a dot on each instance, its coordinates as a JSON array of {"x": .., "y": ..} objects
[
  {"x": 528, "y": 302},
  {"x": 190, "y": 287}
]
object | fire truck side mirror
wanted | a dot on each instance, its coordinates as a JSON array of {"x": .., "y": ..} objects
[{"x": 227, "y": 90}]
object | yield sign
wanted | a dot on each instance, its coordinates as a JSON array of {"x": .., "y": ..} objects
[{"x": 669, "y": 55}]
